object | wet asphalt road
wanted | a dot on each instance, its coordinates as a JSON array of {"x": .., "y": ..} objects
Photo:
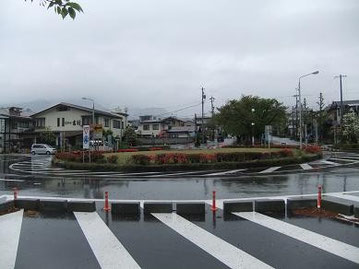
[
  {"x": 138, "y": 188},
  {"x": 56, "y": 240}
]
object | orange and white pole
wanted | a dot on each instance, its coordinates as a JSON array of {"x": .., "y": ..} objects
[
  {"x": 15, "y": 193},
  {"x": 107, "y": 206},
  {"x": 213, "y": 207},
  {"x": 319, "y": 200}
]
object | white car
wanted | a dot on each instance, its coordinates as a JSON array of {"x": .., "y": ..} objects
[{"x": 42, "y": 149}]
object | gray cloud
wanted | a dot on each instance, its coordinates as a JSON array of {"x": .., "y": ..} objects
[{"x": 159, "y": 53}]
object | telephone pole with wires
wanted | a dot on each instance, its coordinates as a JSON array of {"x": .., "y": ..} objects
[
  {"x": 212, "y": 110},
  {"x": 202, "y": 129},
  {"x": 341, "y": 96}
]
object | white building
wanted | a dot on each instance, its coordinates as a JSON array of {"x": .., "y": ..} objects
[
  {"x": 66, "y": 122},
  {"x": 150, "y": 126}
]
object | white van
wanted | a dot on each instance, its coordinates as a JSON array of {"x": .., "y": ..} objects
[{"x": 42, "y": 149}]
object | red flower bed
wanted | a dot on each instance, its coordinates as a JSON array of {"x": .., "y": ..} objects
[
  {"x": 127, "y": 150},
  {"x": 312, "y": 149},
  {"x": 154, "y": 148}
]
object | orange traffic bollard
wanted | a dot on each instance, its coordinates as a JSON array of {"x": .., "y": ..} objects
[
  {"x": 319, "y": 200},
  {"x": 213, "y": 207},
  {"x": 107, "y": 206},
  {"x": 15, "y": 193}
]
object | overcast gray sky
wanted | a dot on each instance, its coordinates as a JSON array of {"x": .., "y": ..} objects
[{"x": 159, "y": 53}]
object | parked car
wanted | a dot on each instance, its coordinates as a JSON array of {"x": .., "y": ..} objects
[{"x": 42, "y": 149}]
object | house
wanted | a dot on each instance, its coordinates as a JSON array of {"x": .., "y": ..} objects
[
  {"x": 334, "y": 110},
  {"x": 151, "y": 126},
  {"x": 66, "y": 122},
  {"x": 15, "y": 130}
]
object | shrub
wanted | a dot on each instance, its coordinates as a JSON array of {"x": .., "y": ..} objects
[
  {"x": 312, "y": 149},
  {"x": 194, "y": 158},
  {"x": 230, "y": 157},
  {"x": 141, "y": 159},
  {"x": 112, "y": 159},
  {"x": 285, "y": 153}
]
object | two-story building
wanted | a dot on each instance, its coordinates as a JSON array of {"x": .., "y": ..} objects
[
  {"x": 15, "y": 130},
  {"x": 150, "y": 126},
  {"x": 66, "y": 122}
]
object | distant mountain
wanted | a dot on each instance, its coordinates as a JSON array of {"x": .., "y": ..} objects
[{"x": 40, "y": 104}]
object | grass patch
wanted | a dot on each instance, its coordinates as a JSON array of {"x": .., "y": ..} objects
[{"x": 125, "y": 157}]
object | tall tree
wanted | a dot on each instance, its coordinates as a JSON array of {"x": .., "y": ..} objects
[
  {"x": 236, "y": 117},
  {"x": 62, "y": 7},
  {"x": 350, "y": 128}
]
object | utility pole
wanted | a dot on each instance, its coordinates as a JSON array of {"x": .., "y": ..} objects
[
  {"x": 305, "y": 118},
  {"x": 212, "y": 110},
  {"x": 296, "y": 115},
  {"x": 212, "y": 106},
  {"x": 320, "y": 122},
  {"x": 203, "y": 98},
  {"x": 341, "y": 96}
]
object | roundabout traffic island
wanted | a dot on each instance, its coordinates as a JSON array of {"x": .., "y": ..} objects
[{"x": 186, "y": 160}]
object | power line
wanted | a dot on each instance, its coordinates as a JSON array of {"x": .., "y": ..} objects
[{"x": 174, "y": 111}]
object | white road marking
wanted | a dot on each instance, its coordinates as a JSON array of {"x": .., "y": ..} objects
[
  {"x": 328, "y": 162},
  {"x": 330, "y": 245},
  {"x": 228, "y": 254},
  {"x": 225, "y": 173},
  {"x": 10, "y": 227},
  {"x": 109, "y": 251},
  {"x": 11, "y": 180},
  {"x": 345, "y": 196},
  {"x": 306, "y": 166},
  {"x": 344, "y": 160},
  {"x": 174, "y": 174},
  {"x": 270, "y": 170}
]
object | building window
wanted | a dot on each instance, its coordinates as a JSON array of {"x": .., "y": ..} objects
[
  {"x": 63, "y": 121},
  {"x": 86, "y": 120},
  {"x": 146, "y": 127},
  {"x": 58, "y": 122},
  {"x": 107, "y": 122},
  {"x": 155, "y": 126},
  {"x": 116, "y": 124},
  {"x": 40, "y": 122}
]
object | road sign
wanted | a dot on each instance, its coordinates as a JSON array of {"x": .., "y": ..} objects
[
  {"x": 97, "y": 131},
  {"x": 86, "y": 137}
]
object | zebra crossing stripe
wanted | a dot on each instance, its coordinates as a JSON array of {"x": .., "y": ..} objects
[
  {"x": 270, "y": 170},
  {"x": 345, "y": 196},
  {"x": 228, "y": 254},
  {"x": 109, "y": 251},
  {"x": 330, "y": 245},
  {"x": 306, "y": 166},
  {"x": 10, "y": 227}
]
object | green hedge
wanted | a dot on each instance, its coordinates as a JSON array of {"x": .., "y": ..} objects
[{"x": 187, "y": 167}]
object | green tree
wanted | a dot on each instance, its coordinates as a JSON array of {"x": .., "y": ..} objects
[
  {"x": 47, "y": 137},
  {"x": 350, "y": 128},
  {"x": 236, "y": 117},
  {"x": 62, "y": 7},
  {"x": 130, "y": 136}
]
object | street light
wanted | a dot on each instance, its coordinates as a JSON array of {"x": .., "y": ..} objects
[
  {"x": 300, "y": 108},
  {"x": 93, "y": 107},
  {"x": 253, "y": 110}
]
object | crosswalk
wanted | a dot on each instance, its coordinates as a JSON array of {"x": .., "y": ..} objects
[
  {"x": 170, "y": 240},
  {"x": 41, "y": 166}
]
